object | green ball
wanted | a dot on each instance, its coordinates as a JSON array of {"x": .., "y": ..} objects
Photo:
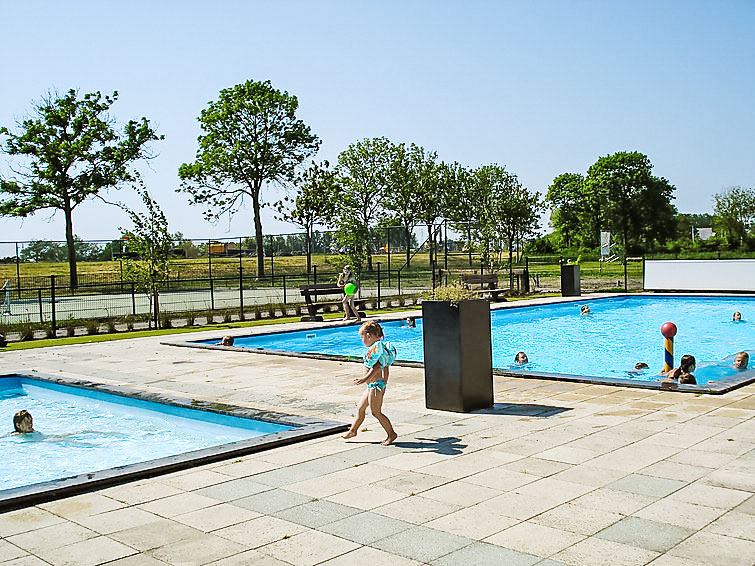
[{"x": 349, "y": 288}]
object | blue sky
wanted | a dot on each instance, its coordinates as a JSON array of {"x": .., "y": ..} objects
[{"x": 541, "y": 87}]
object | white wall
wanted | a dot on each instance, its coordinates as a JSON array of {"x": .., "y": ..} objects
[{"x": 700, "y": 275}]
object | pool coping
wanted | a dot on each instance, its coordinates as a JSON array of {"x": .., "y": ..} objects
[
  {"x": 718, "y": 388},
  {"x": 306, "y": 428}
]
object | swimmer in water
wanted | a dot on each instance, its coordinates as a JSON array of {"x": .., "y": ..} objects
[
  {"x": 410, "y": 322},
  {"x": 641, "y": 365},
  {"x": 584, "y": 310},
  {"x": 521, "y": 358},
  {"x": 737, "y": 317},
  {"x": 741, "y": 361},
  {"x": 23, "y": 422},
  {"x": 683, "y": 374},
  {"x": 226, "y": 341}
]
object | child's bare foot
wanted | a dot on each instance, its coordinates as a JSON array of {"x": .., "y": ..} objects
[
  {"x": 388, "y": 441},
  {"x": 350, "y": 434}
]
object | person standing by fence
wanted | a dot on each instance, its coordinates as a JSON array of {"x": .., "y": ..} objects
[{"x": 346, "y": 277}]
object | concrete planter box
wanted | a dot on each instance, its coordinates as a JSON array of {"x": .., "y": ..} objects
[{"x": 458, "y": 355}]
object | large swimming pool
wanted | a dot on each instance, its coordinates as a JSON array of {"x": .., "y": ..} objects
[
  {"x": 86, "y": 434},
  {"x": 607, "y": 343}
]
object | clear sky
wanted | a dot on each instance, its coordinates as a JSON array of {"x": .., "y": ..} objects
[{"x": 542, "y": 87}]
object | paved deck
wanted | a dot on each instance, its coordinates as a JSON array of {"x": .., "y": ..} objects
[{"x": 556, "y": 473}]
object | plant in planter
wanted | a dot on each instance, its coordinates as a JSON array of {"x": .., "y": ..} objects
[
  {"x": 458, "y": 353},
  {"x": 92, "y": 326}
]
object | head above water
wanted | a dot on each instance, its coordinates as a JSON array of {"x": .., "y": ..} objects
[
  {"x": 741, "y": 361},
  {"x": 641, "y": 365},
  {"x": 585, "y": 309},
  {"x": 410, "y": 322},
  {"x": 737, "y": 316},
  {"x": 521, "y": 358},
  {"x": 227, "y": 341},
  {"x": 687, "y": 365},
  {"x": 22, "y": 422}
]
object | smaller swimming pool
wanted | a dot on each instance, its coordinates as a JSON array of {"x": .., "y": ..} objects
[{"x": 87, "y": 435}]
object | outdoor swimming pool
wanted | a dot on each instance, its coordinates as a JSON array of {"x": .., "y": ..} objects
[
  {"x": 83, "y": 435},
  {"x": 606, "y": 344}
]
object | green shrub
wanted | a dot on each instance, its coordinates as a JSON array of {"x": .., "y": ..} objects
[
  {"x": 166, "y": 321},
  {"x": 70, "y": 327},
  {"x": 111, "y": 326},
  {"x": 49, "y": 333},
  {"x": 92, "y": 326},
  {"x": 129, "y": 320},
  {"x": 190, "y": 319},
  {"x": 26, "y": 331},
  {"x": 227, "y": 316},
  {"x": 210, "y": 317},
  {"x": 453, "y": 293}
]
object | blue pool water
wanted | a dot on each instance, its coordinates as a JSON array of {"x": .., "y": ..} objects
[
  {"x": 82, "y": 431},
  {"x": 619, "y": 332}
]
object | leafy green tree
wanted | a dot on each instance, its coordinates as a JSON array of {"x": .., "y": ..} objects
[
  {"x": 150, "y": 240},
  {"x": 70, "y": 151},
  {"x": 251, "y": 138},
  {"x": 461, "y": 200},
  {"x": 517, "y": 214},
  {"x": 432, "y": 181},
  {"x": 687, "y": 223},
  {"x": 43, "y": 251},
  {"x": 401, "y": 191},
  {"x": 317, "y": 192},
  {"x": 734, "y": 214},
  {"x": 363, "y": 168},
  {"x": 569, "y": 203},
  {"x": 637, "y": 204}
]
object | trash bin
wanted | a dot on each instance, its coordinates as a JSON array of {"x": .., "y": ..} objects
[
  {"x": 458, "y": 355},
  {"x": 570, "y": 281}
]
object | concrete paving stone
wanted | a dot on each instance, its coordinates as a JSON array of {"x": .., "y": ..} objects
[
  {"x": 248, "y": 558},
  {"x": 587, "y": 474},
  {"x": 136, "y": 560},
  {"x": 413, "y": 460},
  {"x": 422, "y": 544},
  {"x": 197, "y": 550},
  {"x": 140, "y": 492},
  {"x": 118, "y": 520},
  {"x": 549, "y": 562},
  {"x": 501, "y": 480},
  {"x": 747, "y": 506},
  {"x": 308, "y": 548},
  {"x": 739, "y": 477},
  {"x": 482, "y": 554},
  {"x": 10, "y": 551},
  {"x": 28, "y": 519},
  {"x": 323, "y": 486},
  {"x": 416, "y": 509},
  {"x": 241, "y": 468},
  {"x": 461, "y": 493},
  {"x": 531, "y": 538},
  {"x": 410, "y": 482},
  {"x": 598, "y": 551},
  {"x": 712, "y": 496},
  {"x": 81, "y": 505},
  {"x": 216, "y": 517},
  {"x": 87, "y": 553},
  {"x": 368, "y": 555},
  {"x": 668, "y": 560},
  {"x": 643, "y": 533},
  {"x": 679, "y": 513},
  {"x": 28, "y": 560},
  {"x": 474, "y": 522},
  {"x": 367, "y": 498},
  {"x": 173, "y": 505},
  {"x": 617, "y": 501},
  {"x": 536, "y": 467},
  {"x": 361, "y": 454},
  {"x": 260, "y": 531},
  {"x": 568, "y": 454},
  {"x": 694, "y": 457},
  {"x": 52, "y": 537},
  {"x": 577, "y": 519},
  {"x": 281, "y": 477},
  {"x": 156, "y": 533},
  {"x": 324, "y": 465},
  {"x": 190, "y": 481},
  {"x": 647, "y": 485},
  {"x": 519, "y": 506},
  {"x": 366, "y": 527},
  {"x": 734, "y": 524},
  {"x": 233, "y": 489},
  {"x": 714, "y": 549},
  {"x": 316, "y": 513},
  {"x": 555, "y": 490},
  {"x": 634, "y": 457},
  {"x": 270, "y": 501},
  {"x": 366, "y": 473},
  {"x": 674, "y": 470}
]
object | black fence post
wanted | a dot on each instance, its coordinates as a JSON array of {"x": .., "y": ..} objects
[
  {"x": 212, "y": 295},
  {"x": 284, "y": 289},
  {"x": 398, "y": 280},
  {"x": 41, "y": 314},
  {"x": 18, "y": 273},
  {"x": 241, "y": 292},
  {"x": 52, "y": 305},
  {"x": 133, "y": 298},
  {"x": 378, "y": 285},
  {"x": 314, "y": 280},
  {"x": 388, "y": 250}
]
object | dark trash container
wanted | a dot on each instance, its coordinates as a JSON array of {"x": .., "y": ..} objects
[
  {"x": 458, "y": 355},
  {"x": 570, "y": 281}
]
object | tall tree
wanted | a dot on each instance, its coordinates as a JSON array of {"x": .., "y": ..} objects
[
  {"x": 401, "y": 192},
  {"x": 461, "y": 200},
  {"x": 251, "y": 138},
  {"x": 317, "y": 190},
  {"x": 734, "y": 214},
  {"x": 363, "y": 167},
  {"x": 70, "y": 151},
  {"x": 569, "y": 204},
  {"x": 431, "y": 181}
]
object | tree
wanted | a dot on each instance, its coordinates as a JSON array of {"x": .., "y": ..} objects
[
  {"x": 71, "y": 152},
  {"x": 734, "y": 214},
  {"x": 461, "y": 200},
  {"x": 150, "y": 240},
  {"x": 401, "y": 191},
  {"x": 637, "y": 204},
  {"x": 569, "y": 204},
  {"x": 363, "y": 168},
  {"x": 251, "y": 138},
  {"x": 315, "y": 202}
]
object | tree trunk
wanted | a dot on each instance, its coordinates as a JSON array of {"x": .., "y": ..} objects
[
  {"x": 430, "y": 241},
  {"x": 469, "y": 244},
  {"x": 408, "y": 244},
  {"x": 74, "y": 280},
  {"x": 308, "y": 245},
  {"x": 258, "y": 234}
]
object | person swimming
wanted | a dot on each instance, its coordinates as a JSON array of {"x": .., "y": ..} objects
[
  {"x": 521, "y": 358},
  {"x": 410, "y": 323},
  {"x": 741, "y": 361},
  {"x": 23, "y": 422},
  {"x": 737, "y": 317},
  {"x": 226, "y": 341},
  {"x": 584, "y": 310}
]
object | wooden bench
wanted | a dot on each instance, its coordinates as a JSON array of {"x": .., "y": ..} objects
[
  {"x": 311, "y": 294},
  {"x": 488, "y": 283}
]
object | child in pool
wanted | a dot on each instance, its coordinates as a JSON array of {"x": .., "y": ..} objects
[
  {"x": 737, "y": 317},
  {"x": 521, "y": 358},
  {"x": 378, "y": 357},
  {"x": 584, "y": 310},
  {"x": 23, "y": 422},
  {"x": 683, "y": 374},
  {"x": 741, "y": 361},
  {"x": 226, "y": 341}
]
